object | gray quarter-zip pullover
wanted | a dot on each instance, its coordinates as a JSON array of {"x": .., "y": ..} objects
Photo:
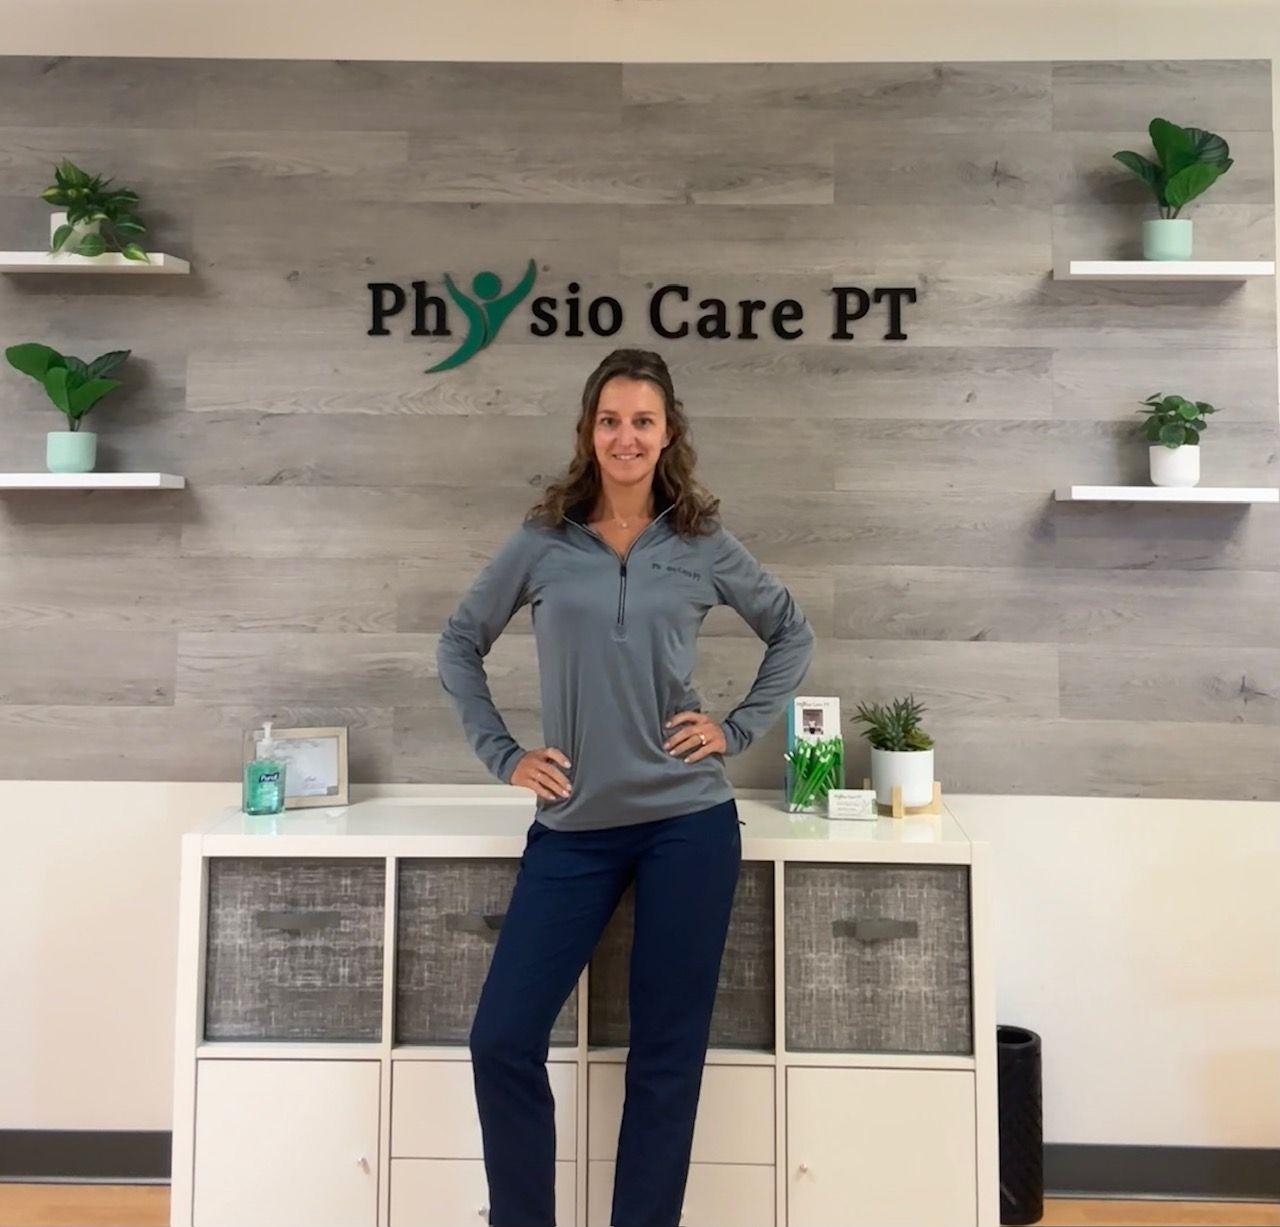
[{"x": 616, "y": 640}]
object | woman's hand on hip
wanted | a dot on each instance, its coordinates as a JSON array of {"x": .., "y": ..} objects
[
  {"x": 696, "y": 731},
  {"x": 540, "y": 770}
]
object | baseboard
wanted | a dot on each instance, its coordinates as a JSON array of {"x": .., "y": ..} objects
[
  {"x": 1206, "y": 1173},
  {"x": 1228, "y": 1173},
  {"x": 85, "y": 1154}
]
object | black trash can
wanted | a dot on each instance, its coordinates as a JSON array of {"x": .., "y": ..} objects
[{"x": 1021, "y": 1126}]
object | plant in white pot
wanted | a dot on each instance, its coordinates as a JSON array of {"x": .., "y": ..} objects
[
  {"x": 901, "y": 751},
  {"x": 1190, "y": 160},
  {"x": 1173, "y": 432},
  {"x": 89, "y": 208},
  {"x": 75, "y": 387}
]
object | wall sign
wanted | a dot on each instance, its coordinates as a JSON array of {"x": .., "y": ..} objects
[{"x": 671, "y": 315}]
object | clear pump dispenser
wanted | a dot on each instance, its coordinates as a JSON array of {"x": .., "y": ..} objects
[{"x": 264, "y": 778}]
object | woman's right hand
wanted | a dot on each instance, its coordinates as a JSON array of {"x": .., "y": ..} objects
[{"x": 540, "y": 770}]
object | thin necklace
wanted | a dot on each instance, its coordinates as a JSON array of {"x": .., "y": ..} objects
[{"x": 626, "y": 523}]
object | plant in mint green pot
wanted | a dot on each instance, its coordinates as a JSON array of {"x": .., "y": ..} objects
[
  {"x": 1189, "y": 162},
  {"x": 75, "y": 387}
]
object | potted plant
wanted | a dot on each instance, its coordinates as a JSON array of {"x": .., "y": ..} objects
[
  {"x": 90, "y": 207},
  {"x": 74, "y": 387},
  {"x": 1173, "y": 432},
  {"x": 1189, "y": 161},
  {"x": 901, "y": 751}
]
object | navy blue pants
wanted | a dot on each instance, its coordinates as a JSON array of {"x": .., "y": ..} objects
[{"x": 685, "y": 870}]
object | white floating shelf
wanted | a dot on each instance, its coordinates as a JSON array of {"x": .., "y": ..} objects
[
  {"x": 108, "y": 262},
  {"x": 69, "y": 262},
  {"x": 91, "y": 481},
  {"x": 1165, "y": 270},
  {"x": 1168, "y": 494}
]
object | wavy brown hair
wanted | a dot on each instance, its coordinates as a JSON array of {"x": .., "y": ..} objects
[{"x": 673, "y": 478}]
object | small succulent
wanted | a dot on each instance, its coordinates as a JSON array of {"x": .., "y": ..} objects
[
  {"x": 1190, "y": 161},
  {"x": 1174, "y": 420},
  {"x": 896, "y": 726},
  {"x": 87, "y": 199},
  {"x": 73, "y": 385}
]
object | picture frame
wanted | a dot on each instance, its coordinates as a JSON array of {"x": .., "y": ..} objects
[
  {"x": 813, "y": 718},
  {"x": 315, "y": 763}
]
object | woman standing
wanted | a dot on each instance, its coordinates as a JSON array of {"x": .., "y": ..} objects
[{"x": 620, "y": 562}]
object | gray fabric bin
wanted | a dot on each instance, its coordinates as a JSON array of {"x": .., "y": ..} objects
[
  {"x": 877, "y": 958},
  {"x": 448, "y": 916},
  {"x": 744, "y": 1009},
  {"x": 294, "y": 949}
]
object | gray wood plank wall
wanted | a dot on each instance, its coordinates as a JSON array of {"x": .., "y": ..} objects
[{"x": 340, "y": 499}]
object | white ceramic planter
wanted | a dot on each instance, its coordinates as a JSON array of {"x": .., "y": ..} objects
[
  {"x": 77, "y": 233},
  {"x": 1175, "y": 466},
  {"x": 913, "y": 769}
]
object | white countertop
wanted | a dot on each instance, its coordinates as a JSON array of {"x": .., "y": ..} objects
[{"x": 492, "y": 820}]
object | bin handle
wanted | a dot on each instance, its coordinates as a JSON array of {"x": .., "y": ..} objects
[
  {"x": 485, "y": 924},
  {"x": 875, "y": 928},
  {"x": 297, "y": 922}
]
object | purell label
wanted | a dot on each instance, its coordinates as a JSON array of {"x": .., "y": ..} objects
[{"x": 269, "y": 777}]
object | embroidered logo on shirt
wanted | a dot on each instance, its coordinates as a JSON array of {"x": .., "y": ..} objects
[{"x": 658, "y": 566}]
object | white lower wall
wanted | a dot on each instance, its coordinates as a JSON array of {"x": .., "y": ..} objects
[
  {"x": 1140, "y": 939},
  {"x": 1137, "y": 937}
]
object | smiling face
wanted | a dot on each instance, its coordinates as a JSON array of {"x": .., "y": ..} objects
[{"x": 630, "y": 430}]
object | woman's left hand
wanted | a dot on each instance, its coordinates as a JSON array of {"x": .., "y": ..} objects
[{"x": 697, "y": 731}]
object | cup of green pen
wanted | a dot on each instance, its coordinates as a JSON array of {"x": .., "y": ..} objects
[
  {"x": 815, "y": 768},
  {"x": 815, "y": 751}
]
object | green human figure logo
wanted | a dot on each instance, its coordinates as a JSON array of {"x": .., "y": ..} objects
[{"x": 486, "y": 317}]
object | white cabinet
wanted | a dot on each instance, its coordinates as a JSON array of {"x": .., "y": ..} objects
[
  {"x": 437, "y": 1150},
  {"x": 880, "y": 1148},
  {"x": 455, "y": 1193},
  {"x": 280, "y": 1141},
  {"x": 731, "y": 1170},
  {"x": 434, "y": 1116},
  {"x": 327, "y": 981},
  {"x": 734, "y": 1123},
  {"x": 715, "y": 1195}
]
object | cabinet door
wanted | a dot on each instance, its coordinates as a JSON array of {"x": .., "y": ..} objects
[
  {"x": 282, "y": 1141},
  {"x": 734, "y": 1123},
  {"x": 455, "y": 1193},
  {"x": 880, "y": 1148},
  {"x": 434, "y": 1116},
  {"x": 715, "y": 1195}
]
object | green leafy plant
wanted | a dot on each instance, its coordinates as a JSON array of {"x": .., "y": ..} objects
[
  {"x": 1190, "y": 161},
  {"x": 895, "y": 726},
  {"x": 87, "y": 199},
  {"x": 74, "y": 386},
  {"x": 1174, "y": 420}
]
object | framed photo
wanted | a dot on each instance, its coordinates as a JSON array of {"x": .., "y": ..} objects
[
  {"x": 315, "y": 763},
  {"x": 813, "y": 718}
]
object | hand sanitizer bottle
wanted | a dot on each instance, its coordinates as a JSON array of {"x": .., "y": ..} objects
[{"x": 264, "y": 778}]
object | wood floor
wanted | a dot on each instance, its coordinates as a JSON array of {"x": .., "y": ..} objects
[{"x": 78, "y": 1205}]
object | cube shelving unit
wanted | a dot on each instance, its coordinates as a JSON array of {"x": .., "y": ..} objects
[{"x": 332, "y": 961}]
